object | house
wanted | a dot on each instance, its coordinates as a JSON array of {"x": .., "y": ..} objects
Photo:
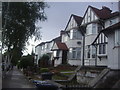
[
  {"x": 100, "y": 42},
  {"x": 45, "y": 48},
  {"x": 59, "y": 53},
  {"x": 69, "y": 49},
  {"x": 93, "y": 22},
  {"x": 113, "y": 34}
]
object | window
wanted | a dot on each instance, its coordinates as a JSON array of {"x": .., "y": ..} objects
[
  {"x": 57, "y": 53},
  {"x": 48, "y": 45},
  {"x": 75, "y": 53},
  {"x": 93, "y": 52},
  {"x": 102, "y": 49},
  {"x": 90, "y": 51},
  {"x": 91, "y": 29},
  {"x": 94, "y": 31},
  {"x": 75, "y": 34},
  {"x": 117, "y": 38},
  {"x": 78, "y": 53}
]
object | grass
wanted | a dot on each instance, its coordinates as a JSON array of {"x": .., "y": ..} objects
[
  {"x": 67, "y": 74},
  {"x": 58, "y": 77},
  {"x": 66, "y": 70}
]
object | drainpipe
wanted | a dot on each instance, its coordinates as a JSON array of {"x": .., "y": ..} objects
[
  {"x": 83, "y": 50},
  {"x": 96, "y": 55}
]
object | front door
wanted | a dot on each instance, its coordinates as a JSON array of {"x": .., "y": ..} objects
[{"x": 64, "y": 57}]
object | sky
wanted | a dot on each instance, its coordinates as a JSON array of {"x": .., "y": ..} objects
[{"x": 58, "y": 15}]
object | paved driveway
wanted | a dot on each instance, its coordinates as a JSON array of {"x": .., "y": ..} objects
[{"x": 15, "y": 79}]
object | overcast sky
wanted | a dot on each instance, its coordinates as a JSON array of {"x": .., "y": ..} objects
[{"x": 59, "y": 13}]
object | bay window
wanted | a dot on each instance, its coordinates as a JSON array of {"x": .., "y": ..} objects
[
  {"x": 90, "y": 51},
  {"x": 91, "y": 29},
  {"x": 75, "y": 34},
  {"x": 75, "y": 53}
]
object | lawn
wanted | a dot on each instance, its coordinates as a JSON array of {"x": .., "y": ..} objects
[{"x": 59, "y": 77}]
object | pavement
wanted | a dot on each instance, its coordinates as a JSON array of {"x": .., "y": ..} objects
[{"x": 15, "y": 79}]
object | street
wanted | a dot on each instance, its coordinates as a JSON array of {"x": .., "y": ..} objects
[{"x": 16, "y": 79}]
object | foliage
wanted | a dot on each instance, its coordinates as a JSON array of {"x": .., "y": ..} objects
[
  {"x": 18, "y": 24},
  {"x": 44, "y": 61},
  {"x": 43, "y": 70},
  {"x": 26, "y": 61}
]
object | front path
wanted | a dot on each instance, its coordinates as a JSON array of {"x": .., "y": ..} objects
[{"x": 16, "y": 79}]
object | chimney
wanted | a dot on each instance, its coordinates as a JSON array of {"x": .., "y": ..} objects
[{"x": 106, "y": 9}]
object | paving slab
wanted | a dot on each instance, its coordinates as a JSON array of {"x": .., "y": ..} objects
[{"x": 15, "y": 79}]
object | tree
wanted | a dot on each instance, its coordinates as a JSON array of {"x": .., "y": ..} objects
[
  {"x": 18, "y": 23},
  {"x": 26, "y": 61},
  {"x": 44, "y": 61}
]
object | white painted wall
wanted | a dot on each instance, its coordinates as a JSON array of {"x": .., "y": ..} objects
[
  {"x": 89, "y": 62},
  {"x": 41, "y": 49},
  {"x": 59, "y": 60},
  {"x": 88, "y": 15},
  {"x": 113, "y": 20},
  {"x": 74, "y": 62},
  {"x": 113, "y": 53}
]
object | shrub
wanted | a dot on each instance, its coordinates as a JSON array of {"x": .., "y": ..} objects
[
  {"x": 44, "y": 61},
  {"x": 43, "y": 70},
  {"x": 26, "y": 61}
]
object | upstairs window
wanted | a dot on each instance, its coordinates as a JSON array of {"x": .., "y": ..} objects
[
  {"x": 91, "y": 29},
  {"x": 75, "y": 34},
  {"x": 117, "y": 38},
  {"x": 102, "y": 49}
]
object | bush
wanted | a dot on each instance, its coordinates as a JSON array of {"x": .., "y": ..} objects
[
  {"x": 44, "y": 61},
  {"x": 43, "y": 70},
  {"x": 26, "y": 61}
]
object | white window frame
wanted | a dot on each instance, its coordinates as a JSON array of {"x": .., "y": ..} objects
[
  {"x": 117, "y": 37},
  {"x": 89, "y": 50},
  {"x": 102, "y": 51},
  {"x": 75, "y": 34},
  {"x": 90, "y": 28},
  {"x": 76, "y": 51}
]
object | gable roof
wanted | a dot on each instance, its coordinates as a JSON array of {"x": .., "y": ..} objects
[
  {"x": 104, "y": 13},
  {"x": 78, "y": 20},
  {"x": 57, "y": 39},
  {"x": 60, "y": 46}
]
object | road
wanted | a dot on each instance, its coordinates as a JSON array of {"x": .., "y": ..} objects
[{"x": 16, "y": 79}]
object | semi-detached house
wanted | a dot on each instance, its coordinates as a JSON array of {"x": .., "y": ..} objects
[
  {"x": 94, "y": 21},
  {"x": 81, "y": 41},
  {"x": 70, "y": 47},
  {"x": 45, "y": 48}
]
